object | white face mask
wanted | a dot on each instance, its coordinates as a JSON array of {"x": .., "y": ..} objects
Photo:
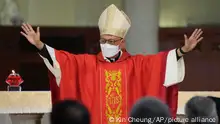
[{"x": 109, "y": 50}]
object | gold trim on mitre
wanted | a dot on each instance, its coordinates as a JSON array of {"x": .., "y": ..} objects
[{"x": 114, "y": 22}]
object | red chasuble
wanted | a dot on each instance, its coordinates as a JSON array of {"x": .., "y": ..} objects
[{"x": 110, "y": 89}]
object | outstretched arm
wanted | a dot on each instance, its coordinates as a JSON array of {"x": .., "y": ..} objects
[
  {"x": 63, "y": 83},
  {"x": 175, "y": 70}
]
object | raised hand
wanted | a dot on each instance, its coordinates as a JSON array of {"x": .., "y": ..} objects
[
  {"x": 32, "y": 36},
  {"x": 193, "y": 40}
]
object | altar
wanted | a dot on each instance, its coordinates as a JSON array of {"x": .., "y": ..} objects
[
  {"x": 25, "y": 107},
  {"x": 29, "y": 107}
]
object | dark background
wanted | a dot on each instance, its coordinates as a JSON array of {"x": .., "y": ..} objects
[{"x": 202, "y": 64}]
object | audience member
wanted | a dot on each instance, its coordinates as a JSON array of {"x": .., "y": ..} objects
[
  {"x": 150, "y": 110},
  {"x": 69, "y": 112},
  {"x": 217, "y": 103},
  {"x": 201, "y": 110}
]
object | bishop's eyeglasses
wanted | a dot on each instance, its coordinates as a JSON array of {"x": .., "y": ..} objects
[{"x": 109, "y": 41}]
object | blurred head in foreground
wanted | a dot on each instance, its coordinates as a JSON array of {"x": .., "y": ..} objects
[
  {"x": 149, "y": 108},
  {"x": 69, "y": 112},
  {"x": 201, "y": 110}
]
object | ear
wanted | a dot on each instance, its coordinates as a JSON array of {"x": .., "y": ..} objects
[{"x": 122, "y": 45}]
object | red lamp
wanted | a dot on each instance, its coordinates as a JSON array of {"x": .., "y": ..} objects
[{"x": 14, "y": 81}]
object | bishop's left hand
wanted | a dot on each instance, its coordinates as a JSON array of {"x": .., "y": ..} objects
[{"x": 193, "y": 40}]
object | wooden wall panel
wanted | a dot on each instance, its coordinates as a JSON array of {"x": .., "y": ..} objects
[{"x": 202, "y": 64}]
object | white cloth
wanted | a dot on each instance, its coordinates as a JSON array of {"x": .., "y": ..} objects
[
  {"x": 55, "y": 68},
  {"x": 175, "y": 70}
]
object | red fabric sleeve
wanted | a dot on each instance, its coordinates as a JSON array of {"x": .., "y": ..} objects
[
  {"x": 171, "y": 93},
  {"x": 156, "y": 65},
  {"x": 68, "y": 86},
  {"x": 53, "y": 87}
]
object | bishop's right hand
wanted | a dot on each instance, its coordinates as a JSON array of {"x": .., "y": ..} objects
[{"x": 32, "y": 36}]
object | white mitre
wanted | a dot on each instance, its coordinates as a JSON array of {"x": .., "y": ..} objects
[{"x": 114, "y": 22}]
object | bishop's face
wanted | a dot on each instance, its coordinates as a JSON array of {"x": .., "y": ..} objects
[{"x": 110, "y": 45}]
